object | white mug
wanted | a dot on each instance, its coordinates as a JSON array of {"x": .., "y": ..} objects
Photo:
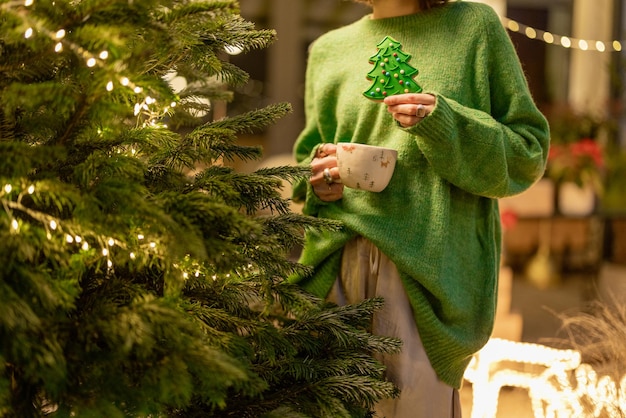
[{"x": 365, "y": 167}]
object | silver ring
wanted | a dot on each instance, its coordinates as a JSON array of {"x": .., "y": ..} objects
[
  {"x": 328, "y": 178},
  {"x": 421, "y": 111}
]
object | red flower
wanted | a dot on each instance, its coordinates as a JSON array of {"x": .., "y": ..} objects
[{"x": 587, "y": 147}]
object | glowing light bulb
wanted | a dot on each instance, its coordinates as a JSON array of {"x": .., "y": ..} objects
[
  {"x": 109, "y": 263},
  {"x": 78, "y": 239},
  {"x": 28, "y": 33},
  {"x": 31, "y": 189},
  {"x": 105, "y": 252},
  {"x": 91, "y": 62},
  {"x": 124, "y": 81},
  {"x": 28, "y": 3},
  {"x": 153, "y": 245},
  {"x": 531, "y": 33},
  {"x": 8, "y": 188},
  {"x": 53, "y": 224},
  {"x": 566, "y": 42},
  {"x": 140, "y": 236},
  {"x": 111, "y": 242},
  {"x": 513, "y": 25},
  {"x": 69, "y": 239},
  {"x": 15, "y": 225},
  {"x": 104, "y": 55},
  {"x": 60, "y": 34},
  {"x": 137, "y": 89},
  {"x": 548, "y": 37},
  {"x": 582, "y": 44},
  {"x": 109, "y": 86},
  {"x": 617, "y": 45},
  {"x": 58, "y": 47},
  {"x": 132, "y": 256},
  {"x": 85, "y": 246},
  {"x": 600, "y": 46}
]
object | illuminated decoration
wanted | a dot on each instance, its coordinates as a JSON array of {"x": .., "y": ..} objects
[
  {"x": 564, "y": 41},
  {"x": 151, "y": 114},
  {"x": 11, "y": 200},
  {"x": 558, "y": 384}
]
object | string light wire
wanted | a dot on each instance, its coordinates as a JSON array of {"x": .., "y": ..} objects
[{"x": 559, "y": 40}]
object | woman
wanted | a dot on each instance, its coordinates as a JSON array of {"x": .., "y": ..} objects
[{"x": 429, "y": 243}]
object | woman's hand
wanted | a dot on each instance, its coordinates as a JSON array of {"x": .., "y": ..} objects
[
  {"x": 410, "y": 108},
  {"x": 325, "y": 175}
]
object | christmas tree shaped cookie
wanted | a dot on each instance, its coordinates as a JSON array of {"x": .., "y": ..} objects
[{"x": 391, "y": 73}]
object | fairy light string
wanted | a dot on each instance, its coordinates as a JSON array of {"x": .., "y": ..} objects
[{"x": 559, "y": 40}]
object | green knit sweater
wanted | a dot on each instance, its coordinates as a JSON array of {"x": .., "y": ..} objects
[{"x": 438, "y": 219}]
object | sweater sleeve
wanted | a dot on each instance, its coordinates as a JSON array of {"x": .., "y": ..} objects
[
  {"x": 495, "y": 152},
  {"x": 306, "y": 145}
]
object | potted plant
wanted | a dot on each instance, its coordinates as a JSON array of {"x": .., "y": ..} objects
[{"x": 576, "y": 162}]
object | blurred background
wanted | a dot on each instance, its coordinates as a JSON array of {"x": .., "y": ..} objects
[{"x": 565, "y": 238}]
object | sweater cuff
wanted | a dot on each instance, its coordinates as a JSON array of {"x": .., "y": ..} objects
[{"x": 439, "y": 123}]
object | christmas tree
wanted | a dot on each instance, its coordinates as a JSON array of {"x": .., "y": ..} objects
[
  {"x": 137, "y": 275},
  {"x": 391, "y": 73}
]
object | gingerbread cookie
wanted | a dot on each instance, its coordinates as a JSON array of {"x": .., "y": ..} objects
[{"x": 391, "y": 73}]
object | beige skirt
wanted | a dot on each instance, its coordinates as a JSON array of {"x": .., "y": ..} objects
[{"x": 365, "y": 273}]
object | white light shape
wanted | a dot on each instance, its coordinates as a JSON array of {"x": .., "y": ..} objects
[
  {"x": 111, "y": 242},
  {"x": 53, "y": 224},
  {"x": 137, "y": 89},
  {"x": 15, "y": 225},
  {"x": 69, "y": 239},
  {"x": 58, "y": 47},
  {"x": 185, "y": 275},
  {"x": 60, "y": 34},
  {"x": 582, "y": 44},
  {"x": 85, "y": 246},
  {"x": 28, "y": 3},
  {"x": 558, "y": 385},
  {"x": 132, "y": 256},
  {"x": 600, "y": 46},
  {"x": 91, "y": 62},
  {"x": 137, "y": 109},
  {"x": 124, "y": 81},
  {"x": 31, "y": 189},
  {"x": 153, "y": 245},
  {"x": 566, "y": 42},
  {"x": 8, "y": 188},
  {"x": 105, "y": 252},
  {"x": 104, "y": 55},
  {"x": 140, "y": 236},
  {"x": 197, "y": 273},
  {"x": 214, "y": 277},
  {"x": 78, "y": 239},
  {"x": 531, "y": 33},
  {"x": 28, "y": 33},
  {"x": 109, "y": 86},
  {"x": 109, "y": 263},
  {"x": 173, "y": 104},
  {"x": 150, "y": 100}
]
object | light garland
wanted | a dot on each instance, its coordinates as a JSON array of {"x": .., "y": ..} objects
[
  {"x": 559, "y": 40},
  {"x": 146, "y": 107},
  {"x": 54, "y": 225},
  {"x": 558, "y": 384}
]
